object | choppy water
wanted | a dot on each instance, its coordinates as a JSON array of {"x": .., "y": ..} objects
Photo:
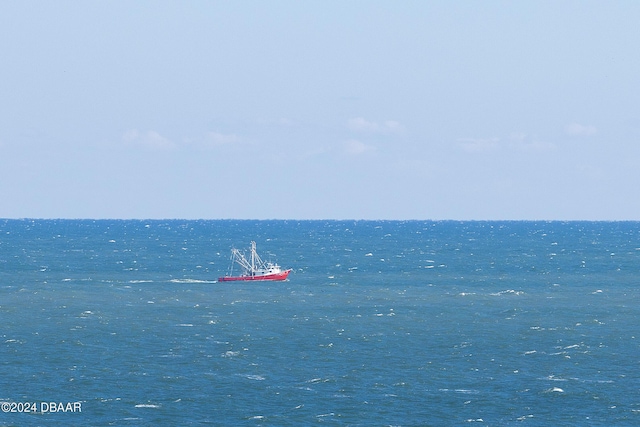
[{"x": 380, "y": 323}]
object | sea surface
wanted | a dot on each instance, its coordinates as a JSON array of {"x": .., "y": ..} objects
[{"x": 415, "y": 323}]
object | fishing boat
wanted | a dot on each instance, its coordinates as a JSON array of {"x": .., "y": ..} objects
[{"x": 253, "y": 268}]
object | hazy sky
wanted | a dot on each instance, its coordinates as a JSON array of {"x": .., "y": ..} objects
[{"x": 320, "y": 109}]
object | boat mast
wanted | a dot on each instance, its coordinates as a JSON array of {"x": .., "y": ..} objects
[
  {"x": 239, "y": 258},
  {"x": 253, "y": 257}
]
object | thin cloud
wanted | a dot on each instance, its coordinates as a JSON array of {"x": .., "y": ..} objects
[
  {"x": 354, "y": 147},
  {"x": 360, "y": 124},
  {"x": 150, "y": 139},
  {"x": 521, "y": 141},
  {"x": 478, "y": 145},
  {"x": 515, "y": 142},
  {"x": 576, "y": 129},
  {"x": 216, "y": 138},
  {"x": 282, "y": 121}
]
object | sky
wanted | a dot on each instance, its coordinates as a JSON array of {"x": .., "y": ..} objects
[{"x": 427, "y": 110}]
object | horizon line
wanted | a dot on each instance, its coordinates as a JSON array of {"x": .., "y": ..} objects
[{"x": 309, "y": 219}]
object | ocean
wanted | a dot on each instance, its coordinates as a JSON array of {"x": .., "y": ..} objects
[{"x": 381, "y": 323}]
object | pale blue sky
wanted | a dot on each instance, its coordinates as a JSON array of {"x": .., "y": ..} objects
[{"x": 320, "y": 109}]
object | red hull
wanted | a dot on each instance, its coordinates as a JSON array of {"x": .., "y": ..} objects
[{"x": 272, "y": 277}]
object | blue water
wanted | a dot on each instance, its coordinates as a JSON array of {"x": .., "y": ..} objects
[{"x": 380, "y": 323}]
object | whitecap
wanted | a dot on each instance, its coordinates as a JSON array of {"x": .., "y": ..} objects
[
  {"x": 508, "y": 291},
  {"x": 146, "y": 405},
  {"x": 466, "y": 391},
  {"x": 460, "y": 390},
  {"x": 553, "y": 378}
]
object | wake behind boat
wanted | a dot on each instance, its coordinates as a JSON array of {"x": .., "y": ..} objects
[{"x": 253, "y": 268}]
